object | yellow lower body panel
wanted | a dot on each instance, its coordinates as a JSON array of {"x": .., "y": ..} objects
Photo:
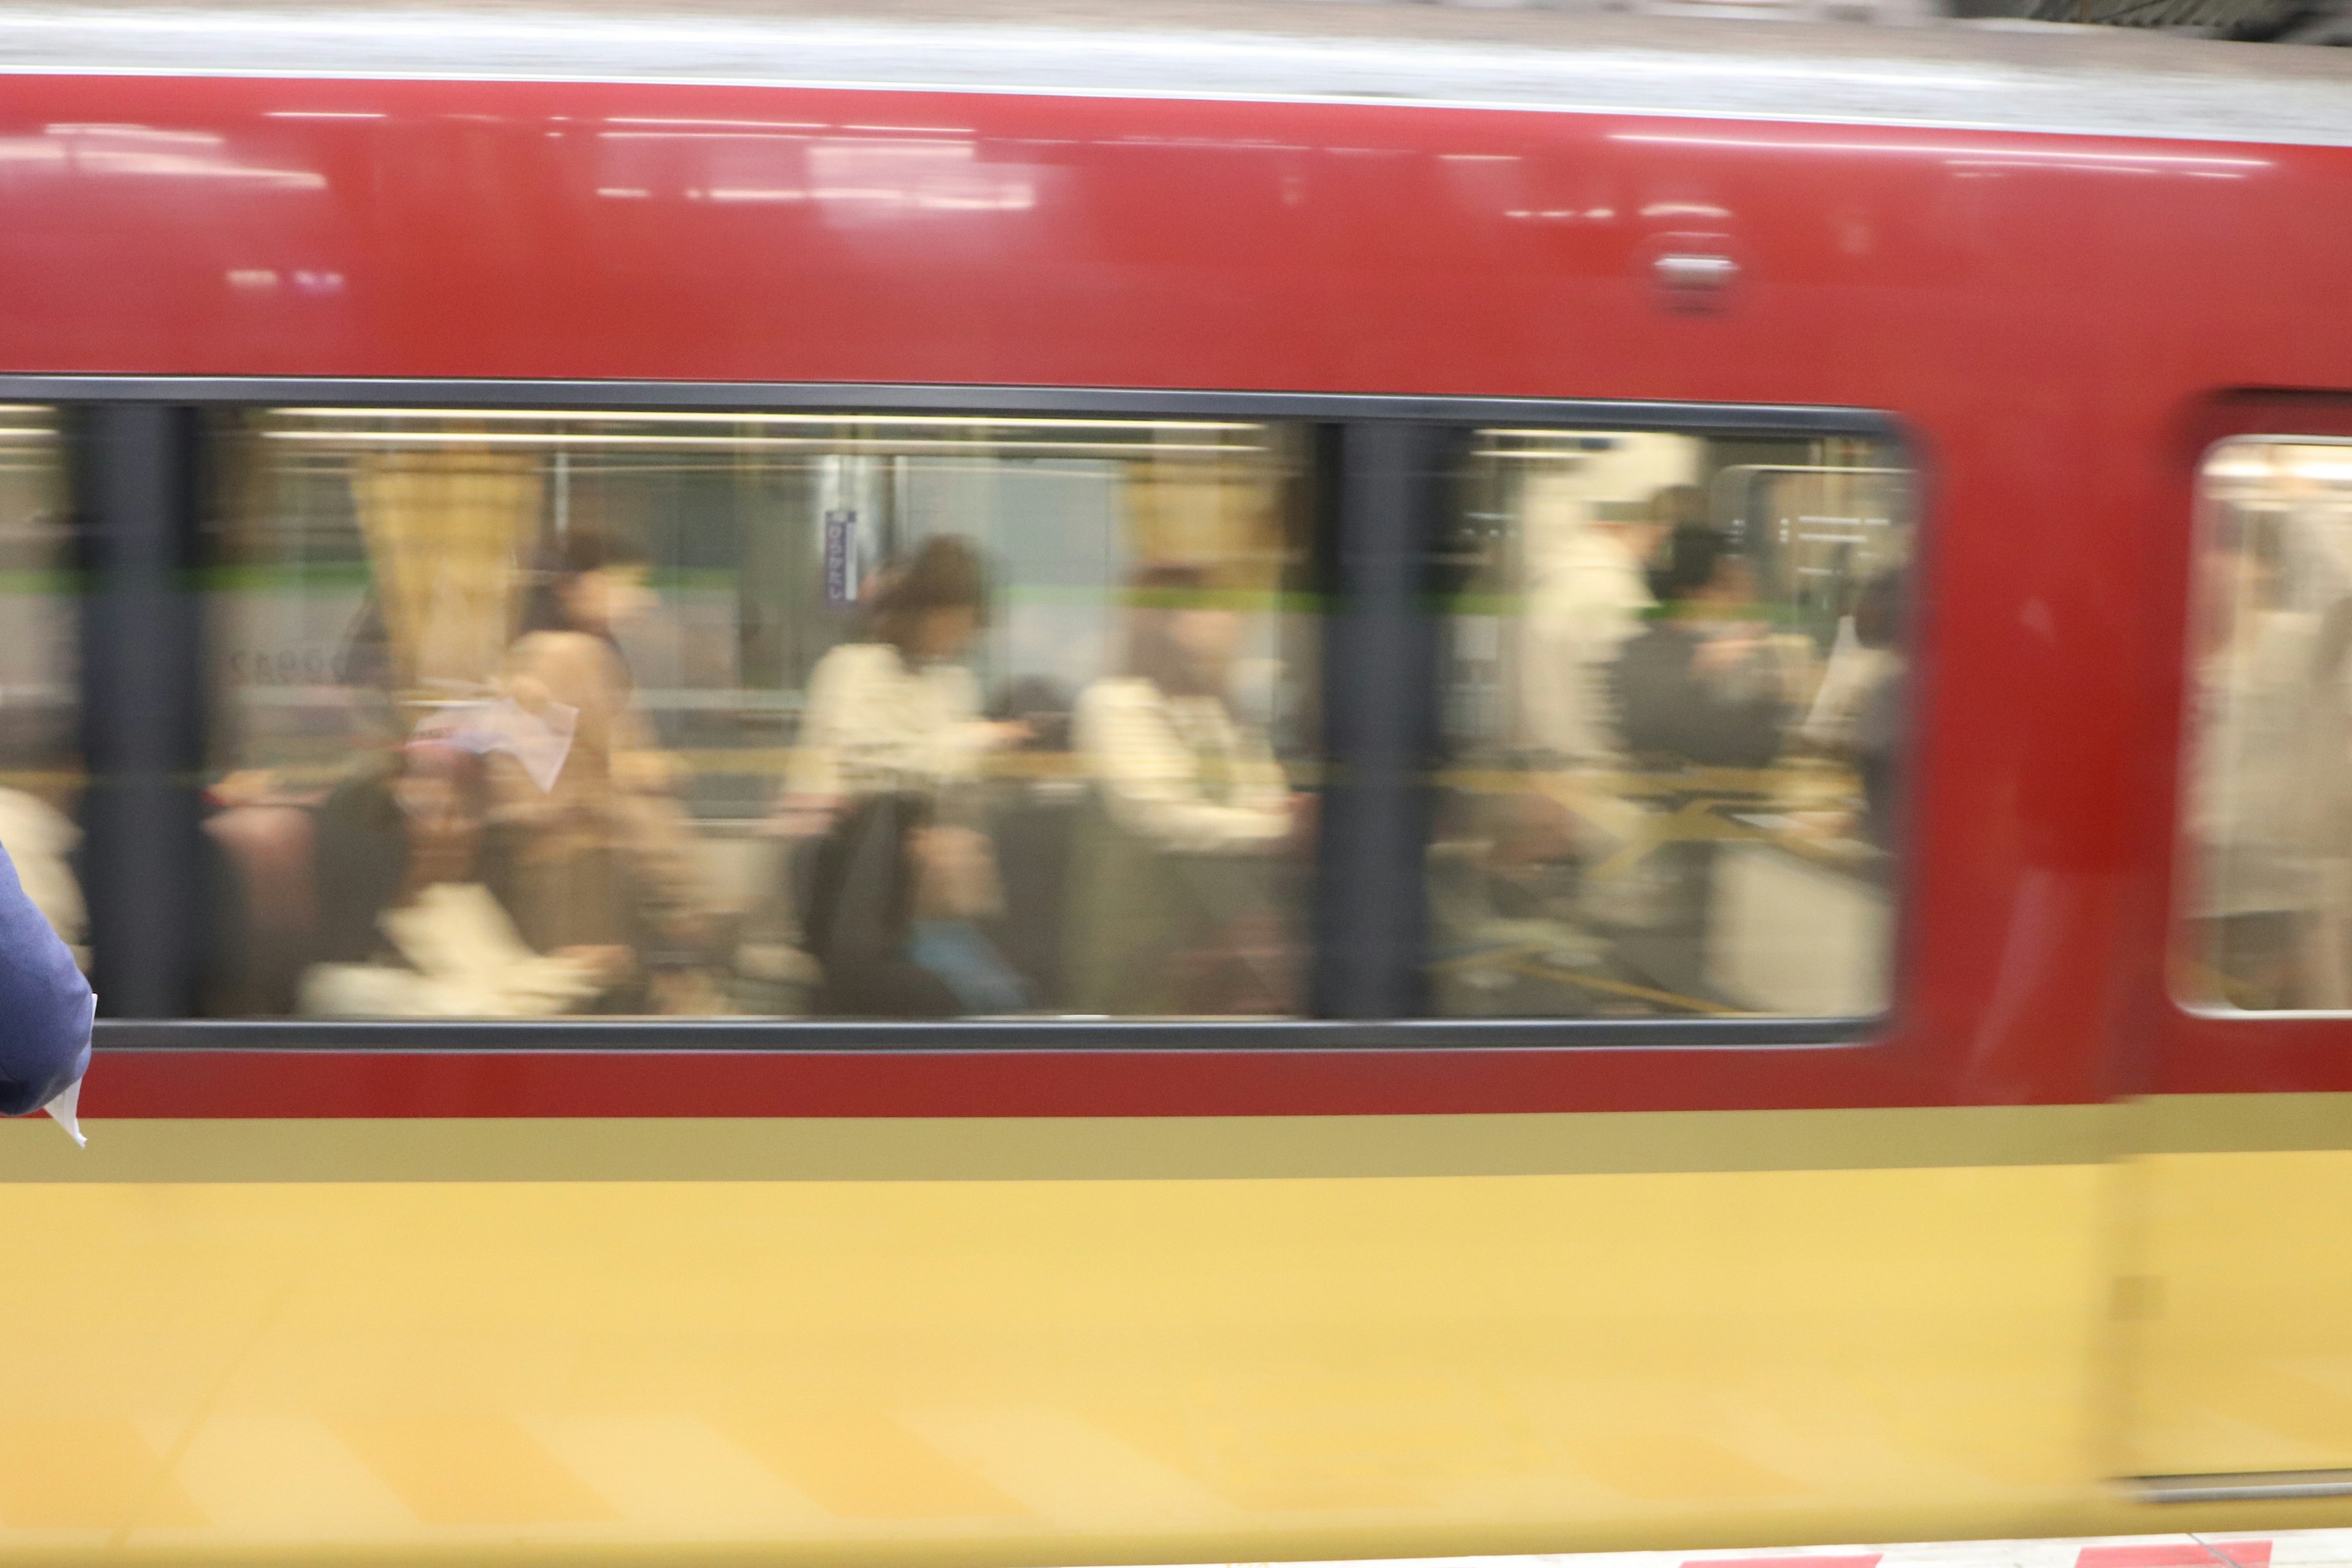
[
  {"x": 2242, "y": 1349},
  {"x": 975, "y": 1369}
]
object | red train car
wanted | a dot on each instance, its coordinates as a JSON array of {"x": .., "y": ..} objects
[{"x": 1218, "y": 782}]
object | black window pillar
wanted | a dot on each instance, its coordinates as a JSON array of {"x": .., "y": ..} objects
[
  {"x": 142, "y": 707},
  {"x": 1379, "y": 720}
]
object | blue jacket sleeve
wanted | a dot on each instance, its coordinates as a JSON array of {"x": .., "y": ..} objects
[{"x": 45, "y": 1005}]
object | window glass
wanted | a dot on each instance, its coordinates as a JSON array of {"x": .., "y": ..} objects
[
  {"x": 2266, "y": 897},
  {"x": 521, "y": 714},
  {"x": 1673, "y": 712},
  {"x": 40, "y": 748}
]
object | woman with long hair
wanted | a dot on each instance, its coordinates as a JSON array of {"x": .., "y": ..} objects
[
  {"x": 604, "y": 854},
  {"x": 897, "y": 710},
  {"x": 901, "y": 880}
]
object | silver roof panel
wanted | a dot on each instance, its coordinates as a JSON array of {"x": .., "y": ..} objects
[{"x": 2092, "y": 81}]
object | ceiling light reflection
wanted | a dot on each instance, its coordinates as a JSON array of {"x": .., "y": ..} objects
[{"x": 967, "y": 421}]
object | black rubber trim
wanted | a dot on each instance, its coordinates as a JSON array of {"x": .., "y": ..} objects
[
  {"x": 718, "y": 397},
  {"x": 958, "y": 1036}
]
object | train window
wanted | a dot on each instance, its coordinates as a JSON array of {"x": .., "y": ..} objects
[
  {"x": 1673, "y": 714},
  {"x": 41, "y": 751},
  {"x": 2266, "y": 889},
  {"x": 520, "y": 714}
]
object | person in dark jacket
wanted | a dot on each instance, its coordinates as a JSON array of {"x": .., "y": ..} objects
[
  {"x": 887, "y": 908},
  {"x": 1699, "y": 684},
  {"x": 1878, "y": 724},
  {"x": 45, "y": 1006}
]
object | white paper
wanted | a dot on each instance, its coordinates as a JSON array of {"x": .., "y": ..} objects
[
  {"x": 62, "y": 1111},
  {"x": 541, "y": 741},
  {"x": 65, "y": 1109}
]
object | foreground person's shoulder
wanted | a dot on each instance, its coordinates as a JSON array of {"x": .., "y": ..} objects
[{"x": 45, "y": 1005}]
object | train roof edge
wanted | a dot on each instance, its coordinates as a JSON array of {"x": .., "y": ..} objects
[{"x": 2090, "y": 81}]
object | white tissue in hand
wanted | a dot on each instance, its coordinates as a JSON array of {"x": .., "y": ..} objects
[{"x": 63, "y": 1109}]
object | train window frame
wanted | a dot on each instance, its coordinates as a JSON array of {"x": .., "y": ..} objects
[
  {"x": 2182, "y": 881},
  {"x": 2196, "y": 1048},
  {"x": 1363, "y": 430}
]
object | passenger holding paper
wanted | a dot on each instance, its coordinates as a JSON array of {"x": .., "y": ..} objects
[
  {"x": 46, "y": 1006},
  {"x": 606, "y": 856}
]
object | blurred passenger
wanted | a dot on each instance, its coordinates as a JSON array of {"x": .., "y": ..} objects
[
  {"x": 1175, "y": 882},
  {"x": 1876, "y": 737},
  {"x": 896, "y": 711},
  {"x": 2252, "y": 799},
  {"x": 1701, "y": 684},
  {"x": 1583, "y": 604},
  {"x": 409, "y": 924},
  {"x": 2327, "y": 770},
  {"x": 899, "y": 893},
  {"x": 1851, "y": 671},
  {"x": 604, "y": 854}
]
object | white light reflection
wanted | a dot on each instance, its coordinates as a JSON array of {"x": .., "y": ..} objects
[
  {"x": 1929, "y": 150},
  {"x": 764, "y": 134},
  {"x": 139, "y": 150},
  {"x": 934, "y": 176},
  {"x": 323, "y": 114},
  {"x": 716, "y": 124},
  {"x": 730, "y": 443},
  {"x": 1552, "y": 435},
  {"x": 42, "y": 427},
  {"x": 2082, "y": 168},
  {"x": 960, "y": 421},
  {"x": 2270, "y": 462}
]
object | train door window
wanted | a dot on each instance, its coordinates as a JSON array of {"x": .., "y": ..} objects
[
  {"x": 40, "y": 752},
  {"x": 1675, "y": 689},
  {"x": 767, "y": 714},
  {"x": 2265, "y": 888}
]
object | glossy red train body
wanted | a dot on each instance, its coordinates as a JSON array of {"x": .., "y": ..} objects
[{"x": 2047, "y": 319}]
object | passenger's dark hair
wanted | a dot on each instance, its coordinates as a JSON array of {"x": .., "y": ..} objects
[
  {"x": 1692, "y": 553},
  {"x": 1153, "y": 654},
  {"x": 1679, "y": 506},
  {"x": 562, "y": 560},
  {"x": 944, "y": 573}
]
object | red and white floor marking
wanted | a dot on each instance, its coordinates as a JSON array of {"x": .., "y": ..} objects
[{"x": 2240, "y": 1548}]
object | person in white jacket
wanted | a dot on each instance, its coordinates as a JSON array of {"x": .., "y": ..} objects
[
  {"x": 895, "y": 712},
  {"x": 1586, "y": 599},
  {"x": 1192, "y": 806}
]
